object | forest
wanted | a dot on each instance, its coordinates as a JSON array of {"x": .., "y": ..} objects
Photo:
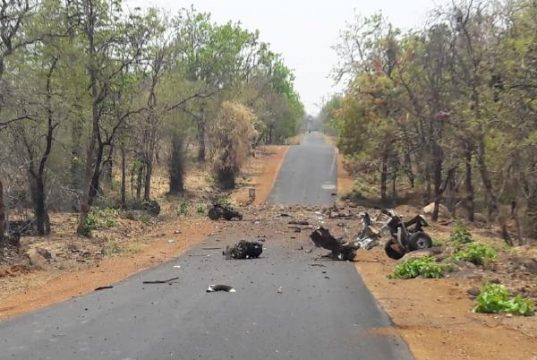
[
  {"x": 94, "y": 95},
  {"x": 446, "y": 113}
]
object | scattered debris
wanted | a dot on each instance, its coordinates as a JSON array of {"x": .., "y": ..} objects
[
  {"x": 221, "y": 211},
  {"x": 243, "y": 250},
  {"x": 171, "y": 241},
  {"x": 215, "y": 288},
  {"x": 319, "y": 265},
  {"x": 280, "y": 290},
  {"x": 103, "y": 287},
  {"x": 168, "y": 281},
  {"x": 340, "y": 250},
  {"x": 177, "y": 266},
  {"x": 285, "y": 215},
  {"x": 296, "y": 222},
  {"x": 211, "y": 248}
]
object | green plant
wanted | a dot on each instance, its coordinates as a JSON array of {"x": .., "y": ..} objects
[
  {"x": 100, "y": 219},
  {"x": 494, "y": 298},
  {"x": 200, "y": 210},
  {"x": 426, "y": 267},
  {"x": 460, "y": 234},
  {"x": 478, "y": 254},
  {"x": 183, "y": 208}
]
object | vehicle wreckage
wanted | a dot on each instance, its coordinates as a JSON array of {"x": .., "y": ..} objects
[{"x": 404, "y": 237}]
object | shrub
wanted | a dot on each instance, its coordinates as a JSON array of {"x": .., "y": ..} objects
[
  {"x": 426, "y": 267},
  {"x": 478, "y": 254},
  {"x": 460, "y": 234},
  {"x": 231, "y": 137},
  {"x": 100, "y": 219},
  {"x": 183, "y": 208},
  {"x": 200, "y": 210},
  {"x": 494, "y": 298}
]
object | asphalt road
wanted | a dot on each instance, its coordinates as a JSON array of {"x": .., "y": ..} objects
[
  {"x": 284, "y": 308},
  {"x": 308, "y": 175}
]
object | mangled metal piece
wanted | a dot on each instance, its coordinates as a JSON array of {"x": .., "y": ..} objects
[
  {"x": 243, "y": 250},
  {"x": 219, "y": 211},
  {"x": 340, "y": 250}
]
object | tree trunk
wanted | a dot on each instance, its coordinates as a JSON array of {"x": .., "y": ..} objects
[
  {"x": 201, "y": 138},
  {"x": 2, "y": 213},
  {"x": 176, "y": 166},
  {"x": 531, "y": 214},
  {"x": 492, "y": 200},
  {"x": 139, "y": 177},
  {"x": 147, "y": 182},
  {"x": 42, "y": 220},
  {"x": 384, "y": 177},
  {"x": 123, "y": 178},
  {"x": 470, "y": 205},
  {"x": 437, "y": 178}
]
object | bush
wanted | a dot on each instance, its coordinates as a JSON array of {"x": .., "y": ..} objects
[
  {"x": 494, "y": 298},
  {"x": 183, "y": 208},
  {"x": 100, "y": 219},
  {"x": 426, "y": 267},
  {"x": 200, "y": 210},
  {"x": 460, "y": 234},
  {"x": 478, "y": 254}
]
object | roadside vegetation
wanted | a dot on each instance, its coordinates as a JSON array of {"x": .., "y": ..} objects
[
  {"x": 95, "y": 98},
  {"x": 445, "y": 114}
]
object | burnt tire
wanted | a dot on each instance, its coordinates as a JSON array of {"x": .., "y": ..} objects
[
  {"x": 419, "y": 241},
  {"x": 391, "y": 252},
  {"x": 215, "y": 213}
]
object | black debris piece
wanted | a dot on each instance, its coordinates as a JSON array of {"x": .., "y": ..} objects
[
  {"x": 219, "y": 211},
  {"x": 103, "y": 287},
  {"x": 340, "y": 250},
  {"x": 168, "y": 281},
  {"x": 243, "y": 250},
  {"x": 298, "y": 222},
  {"x": 215, "y": 288}
]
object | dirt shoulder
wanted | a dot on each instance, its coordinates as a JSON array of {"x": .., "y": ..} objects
[
  {"x": 434, "y": 316},
  {"x": 36, "y": 289}
]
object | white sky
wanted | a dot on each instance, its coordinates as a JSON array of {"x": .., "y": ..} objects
[{"x": 303, "y": 31}]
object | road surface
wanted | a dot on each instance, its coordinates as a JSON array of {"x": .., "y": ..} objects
[
  {"x": 284, "y": 308},
  {"x": 308, "y": 175}
]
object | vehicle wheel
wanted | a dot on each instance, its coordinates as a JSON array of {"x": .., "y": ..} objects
[
  {"x": 419, "y": 241},
  {"x": 390, "y": 250},
  {"x": 215, "y": 213}
]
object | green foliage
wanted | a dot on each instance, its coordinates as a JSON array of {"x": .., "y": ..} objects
[
  {"x": 200, "y": 210},
  {"x": 100, "y": 219},
  {"x": 460, "y": 234},
  {"x": 494, "y": 298},
  {"x": 478, "y": 254},
  {"x": 182, "y": 210},
  {"x": 426, "y": 267}
]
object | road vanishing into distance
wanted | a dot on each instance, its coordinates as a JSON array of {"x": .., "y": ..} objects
[{"x": 283, "y": 308}]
